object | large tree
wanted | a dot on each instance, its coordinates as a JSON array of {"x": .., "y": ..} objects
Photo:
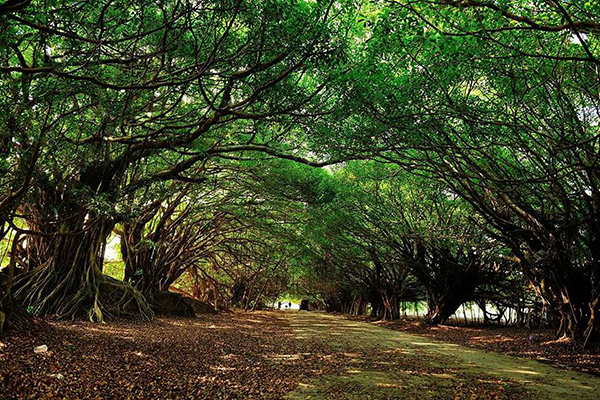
[
  {"x": 153, "y": 92},
  {"x": 499, "y": 101}
]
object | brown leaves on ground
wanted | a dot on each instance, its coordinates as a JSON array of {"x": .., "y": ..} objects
[
  {"x": 519, "y": 342},
  {"x": 215, "y": 357},
  {"x": 226, "y": 356}
]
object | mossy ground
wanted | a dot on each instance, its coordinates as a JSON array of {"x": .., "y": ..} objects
[{"x": 387, "y": 364}]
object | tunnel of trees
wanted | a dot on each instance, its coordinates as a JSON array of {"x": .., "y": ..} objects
[{"x": 369, "y": 155}]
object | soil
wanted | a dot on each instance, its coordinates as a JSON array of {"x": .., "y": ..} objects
[{"x": 264, "y": 355}]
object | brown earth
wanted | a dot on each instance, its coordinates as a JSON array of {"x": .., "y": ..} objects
[{"x": 259, "y": 355}]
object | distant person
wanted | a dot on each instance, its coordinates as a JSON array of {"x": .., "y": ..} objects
[
  {"x": 290, "y": 304},
  {"x": 279, "y": 305}
]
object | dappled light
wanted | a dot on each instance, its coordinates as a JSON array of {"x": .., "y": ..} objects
[
  {"x": 384, "y": 351},
  {"x": 325, "y": 199},
  {"x": 521, "y": 371}
]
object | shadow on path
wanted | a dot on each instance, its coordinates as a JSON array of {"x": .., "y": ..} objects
[{"x": 388, "y": 364}]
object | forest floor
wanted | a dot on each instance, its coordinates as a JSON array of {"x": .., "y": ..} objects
[
  {"x": 265, "y": 355},
  {"x": 540, "y": 345},
  {"x": 388, "y": 364}
]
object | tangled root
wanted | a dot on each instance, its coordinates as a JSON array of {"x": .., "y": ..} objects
[{"x": 94, "y": 295}]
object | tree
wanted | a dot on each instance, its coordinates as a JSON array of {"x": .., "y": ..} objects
[
  {"x": 416, "y": 229},
  {"x": 498, "y": 101},
  {"x": 154, "y": 92}
]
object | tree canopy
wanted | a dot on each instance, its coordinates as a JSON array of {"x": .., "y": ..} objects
[{"x": 363, "y": 154}]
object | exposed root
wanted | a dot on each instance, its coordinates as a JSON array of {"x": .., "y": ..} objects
[
  {"x": 93, "y": 295},
  {"x": 13, "y": 315}
]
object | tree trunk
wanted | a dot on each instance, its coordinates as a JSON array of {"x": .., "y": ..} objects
[
  {"x": 65, "y": 276},
  {"x": 574, "y": 299},
  {"x": 443, "y": 306}
]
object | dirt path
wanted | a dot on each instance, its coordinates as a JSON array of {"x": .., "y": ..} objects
[
  {"x": 521, "y": 342},
  {"x": 388, "y": 364},
  {"x": 265, "y": 355}
]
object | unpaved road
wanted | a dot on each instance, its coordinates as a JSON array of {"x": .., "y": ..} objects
[
  {"x": 265, "y": 355},
  {"x": 434, "y": 369}
]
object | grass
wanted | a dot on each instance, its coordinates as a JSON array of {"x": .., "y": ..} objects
[{"x": 391, "y": 364}]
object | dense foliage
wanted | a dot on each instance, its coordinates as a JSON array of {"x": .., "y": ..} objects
[{"x": 459, "y": 139}]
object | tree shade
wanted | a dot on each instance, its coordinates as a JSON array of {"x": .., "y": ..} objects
[{"x": 459, "y": 140}]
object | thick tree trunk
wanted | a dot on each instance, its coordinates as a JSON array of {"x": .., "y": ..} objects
[
  {"x": 146, "y": 267},
  {"x": 13, "y": 315},
  {"x": 391, "y": 304},
  {"x": 65, "y": 276},
  {"x": 578, "y": 320},
  {"x": 573, "y": 296},
  {"x": 443, "y": 305},
  {"x": 376, "y": 310},
  {"x": 443, "y": 309}
]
